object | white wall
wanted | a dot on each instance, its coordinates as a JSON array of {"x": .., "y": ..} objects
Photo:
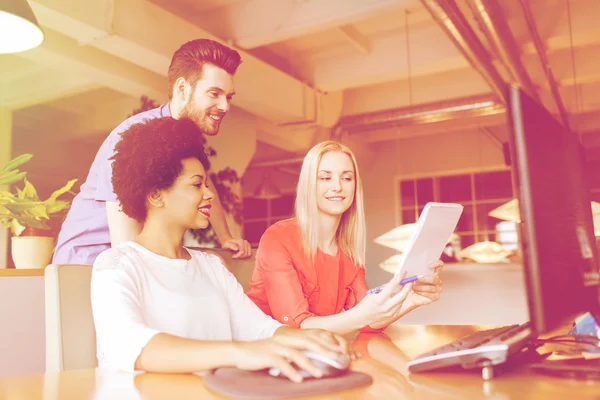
[{"x": 22, "y": 325}]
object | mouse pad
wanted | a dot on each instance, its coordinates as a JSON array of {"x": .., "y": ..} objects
[{"x": 248, "y": 385}]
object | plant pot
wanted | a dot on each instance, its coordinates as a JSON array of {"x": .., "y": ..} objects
[
  {"x": 32, "y": 251},
  {"x": 29, "y": 231}
]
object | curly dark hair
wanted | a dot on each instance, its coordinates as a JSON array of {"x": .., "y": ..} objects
[
  {"x": 149, "y": 157},
  {"x": 189, "y": 59}
]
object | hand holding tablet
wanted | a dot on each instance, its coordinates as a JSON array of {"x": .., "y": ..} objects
[{"x": 432, "y": 231}]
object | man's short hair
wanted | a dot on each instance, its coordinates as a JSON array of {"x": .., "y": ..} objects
[{"x": 188, "y": 61}]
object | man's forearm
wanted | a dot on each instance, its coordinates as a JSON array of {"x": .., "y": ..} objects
[
  {"x": 218, "y": 220},
  {"x": 120, "y": 226},
  {"x": 173, "y": 354}
]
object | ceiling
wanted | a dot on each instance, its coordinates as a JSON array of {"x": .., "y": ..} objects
[{"x": 343, "y": 60}]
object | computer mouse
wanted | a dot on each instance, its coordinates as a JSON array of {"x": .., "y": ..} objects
[{"x": 329, "y": 367}]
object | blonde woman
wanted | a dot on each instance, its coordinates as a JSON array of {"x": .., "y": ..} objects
[{"x": 312, "y": 267}]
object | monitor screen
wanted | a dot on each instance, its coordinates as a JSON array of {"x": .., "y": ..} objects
[{"x": 556, "y": 231}]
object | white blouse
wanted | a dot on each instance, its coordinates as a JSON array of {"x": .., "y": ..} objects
[{"x": 136, "y": 294}]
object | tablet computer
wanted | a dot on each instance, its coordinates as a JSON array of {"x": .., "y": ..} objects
[{"x": 432, "y": 231}]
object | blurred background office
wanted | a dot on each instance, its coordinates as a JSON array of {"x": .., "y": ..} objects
[{"x": 414, "y": 87}]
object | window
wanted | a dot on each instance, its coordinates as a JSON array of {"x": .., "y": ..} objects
[
  {"x": 478, "y": 192},
  {"x": 259, "y": 214}
]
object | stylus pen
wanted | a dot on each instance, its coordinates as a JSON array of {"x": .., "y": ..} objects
[{"x": 402, "y": 282}]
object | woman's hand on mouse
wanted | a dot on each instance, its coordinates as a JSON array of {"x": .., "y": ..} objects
[
  {"x": 269, "y": 353},
  {"x": 317, "y": 340},
  {"x": 381, "y": 309},
  {"x": 286, "y": 346}
]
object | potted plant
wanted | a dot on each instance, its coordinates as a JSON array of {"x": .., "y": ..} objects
[{"x": 28, "y": 217}]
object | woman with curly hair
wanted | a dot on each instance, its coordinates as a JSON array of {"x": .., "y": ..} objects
[
  {"x": 312, "y": 267},
  {"x": 159, "y": 306}
]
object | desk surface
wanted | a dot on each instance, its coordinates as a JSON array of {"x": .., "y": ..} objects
[
  {"x": 383, "y": 359},
  {"x": 21, "y": 272}
]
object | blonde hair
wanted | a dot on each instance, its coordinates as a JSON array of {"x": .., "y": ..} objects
[{"x": 351, "y": 233}]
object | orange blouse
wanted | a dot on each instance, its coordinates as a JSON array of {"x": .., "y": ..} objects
[{"x": 286, "y": 286}]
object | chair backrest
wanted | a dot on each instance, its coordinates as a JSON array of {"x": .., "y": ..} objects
[
  {"x": 70, "y": 332},
  {"x": 240, "y": 268}
]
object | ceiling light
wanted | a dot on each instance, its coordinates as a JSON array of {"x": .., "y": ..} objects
[
  {"x": 486, "y": 252},
  {"x": 510, "y": 212},
  {"x": 391, "y": 264},
  {"x": 19, "y": 29}
]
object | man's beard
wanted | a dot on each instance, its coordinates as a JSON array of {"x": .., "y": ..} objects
[{"x": 200, "y": 120}]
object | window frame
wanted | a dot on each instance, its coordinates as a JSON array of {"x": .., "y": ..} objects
[
  {"x": 270, "y": 219},
  {"x": 476, "y": 233}
]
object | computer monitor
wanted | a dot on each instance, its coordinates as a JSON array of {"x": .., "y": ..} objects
[{"x": 557, "y": 240}]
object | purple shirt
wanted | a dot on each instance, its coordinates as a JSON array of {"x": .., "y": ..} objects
[{"x": 85, "y": 234}]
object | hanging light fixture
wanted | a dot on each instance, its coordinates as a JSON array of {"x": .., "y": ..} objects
[
  {"x": 398, "y": 237},
  {"x": 510, "y": 212},
  {"x": 507, "y": 211},
  {"x": 267, "y": 189},
  {"x": 485, "y": 252},
  {"x": 391, "y": 264},
  {"x": 19, "y": 29}
]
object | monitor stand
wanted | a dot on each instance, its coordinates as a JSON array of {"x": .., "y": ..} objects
[{"x": 526, "y": 356}]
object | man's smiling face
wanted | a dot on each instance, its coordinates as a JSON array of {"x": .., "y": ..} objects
[{"x": 210, "y": 99}]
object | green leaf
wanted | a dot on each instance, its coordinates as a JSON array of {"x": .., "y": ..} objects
[
  {"x": 62, "y": 190},
  {"x": 7, "y": 197},
  {"x": 15, "y": 162},
  {"x": 9, "y": 174},
  {"x": 30, "y": 221},
  {"x": 28, "y": 192},
  {"x": 12, "y": 177},
  {"x": 56, "y": 206},
  {"x": 22, "y": 206},
  {"x": 38, "y": 211}
]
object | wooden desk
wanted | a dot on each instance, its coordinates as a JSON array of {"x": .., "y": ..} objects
[
  {"x": 383, "y": 359},
  {"x": 21, "y": 272}
]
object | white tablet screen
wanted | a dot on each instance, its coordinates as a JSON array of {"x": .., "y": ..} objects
[{"x": 432, "y": 231}]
